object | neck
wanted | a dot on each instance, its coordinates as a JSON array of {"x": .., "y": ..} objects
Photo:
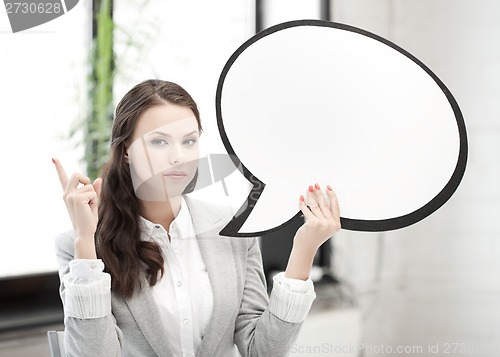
[{"x": 162, "y": 212}]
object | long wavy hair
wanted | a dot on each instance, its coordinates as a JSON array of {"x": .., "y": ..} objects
[{"x": 126, "y": 257}]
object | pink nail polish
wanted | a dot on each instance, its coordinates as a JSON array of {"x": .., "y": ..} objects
[
  {"x": 53, "y": 161},
  {"x": 310, "y": 188},
  {"x": 316, "y": 186},
  {"x": 329, "y": 187},
  {"x": 302, "y": 198}
]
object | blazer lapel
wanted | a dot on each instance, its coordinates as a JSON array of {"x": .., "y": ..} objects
[
  {"x": 143, "y": 308},
  {"x": 218, "y": 258}
]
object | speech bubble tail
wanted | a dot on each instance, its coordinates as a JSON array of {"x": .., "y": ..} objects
[
  {"x": 253, "y": 218},
  {"x": 232, "y": 229}
]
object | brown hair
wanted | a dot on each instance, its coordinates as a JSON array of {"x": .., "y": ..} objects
[{"x": 118, "y": 237}]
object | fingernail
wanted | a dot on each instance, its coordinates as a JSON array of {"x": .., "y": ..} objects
[
  {"x": 302, "y": 198},
  {"x": 53, "y": 161},
  {"x": 310, "y": 188},
  {"x": 316, "y": 186},
  {"x": 329, "y": 187}
]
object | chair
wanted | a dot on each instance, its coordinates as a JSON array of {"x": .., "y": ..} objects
[{"x": 56, "y": 343}]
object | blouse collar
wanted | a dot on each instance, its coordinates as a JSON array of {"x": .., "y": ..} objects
[{"x": 181, "y": 223}]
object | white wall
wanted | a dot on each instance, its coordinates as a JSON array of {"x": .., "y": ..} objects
[
  {"x": 42, "y": 96},
  {"x": 438, "y": 281}
]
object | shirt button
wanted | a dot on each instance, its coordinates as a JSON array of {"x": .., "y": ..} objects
[
  {"x": 179, "y": 283},
  {"x": 157, "y": 226}
]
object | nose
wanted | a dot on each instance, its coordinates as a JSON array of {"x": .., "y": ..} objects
[{"x": 176, "y": 155}]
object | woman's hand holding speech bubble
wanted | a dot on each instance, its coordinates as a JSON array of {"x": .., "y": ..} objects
[
  {"x": 322, "y": 217},
  {"x": 322, "y": 221},
  {"x": 82, "y": 204}
]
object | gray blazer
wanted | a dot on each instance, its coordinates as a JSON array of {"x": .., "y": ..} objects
[{"x": 240, "y": 312}]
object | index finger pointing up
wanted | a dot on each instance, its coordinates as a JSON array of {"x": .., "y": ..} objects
[{"x": 63, "y": 178}]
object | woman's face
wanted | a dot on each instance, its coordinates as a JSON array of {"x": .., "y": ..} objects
[{"x": 164, "y": 151}]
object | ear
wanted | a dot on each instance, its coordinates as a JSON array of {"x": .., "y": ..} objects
[{"x": 126, "y": 157}]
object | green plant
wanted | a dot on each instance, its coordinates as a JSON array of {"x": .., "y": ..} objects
[
  {"x": 100, "y": 84},
  {"x": 135, "y": 37}
]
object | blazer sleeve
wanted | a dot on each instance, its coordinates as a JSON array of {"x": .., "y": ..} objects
[
  {"x": 268, "y": 326},
  {"x": 90, "y": 328}
]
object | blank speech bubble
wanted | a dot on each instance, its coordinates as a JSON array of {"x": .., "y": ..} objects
[{"x": 313, "y": 101}]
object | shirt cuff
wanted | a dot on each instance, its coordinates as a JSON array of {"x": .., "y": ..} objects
[
  {"x": 87, "y": 289},
  {"x": 291, "y": 299}
]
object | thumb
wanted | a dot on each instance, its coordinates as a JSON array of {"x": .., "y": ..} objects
[{"x": 97, "y": 186}]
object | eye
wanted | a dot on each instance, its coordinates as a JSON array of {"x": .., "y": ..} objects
[
  {"x": 159, "y": 142},
  {"x": 189, "y": 142}
]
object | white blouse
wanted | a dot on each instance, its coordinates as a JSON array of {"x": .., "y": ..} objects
[{"x": 184, "y": 294}]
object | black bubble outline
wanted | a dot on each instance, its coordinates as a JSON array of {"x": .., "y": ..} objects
[{"x": 232, "y": 228}]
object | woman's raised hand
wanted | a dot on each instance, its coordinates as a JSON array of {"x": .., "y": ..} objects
[
  {"x": 322, "y": 217},
  {"x": 322, "y": 220},
  {"x": 82, "y": 200}
]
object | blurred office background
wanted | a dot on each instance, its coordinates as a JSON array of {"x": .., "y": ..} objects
[{"x": 433, "y": 284}]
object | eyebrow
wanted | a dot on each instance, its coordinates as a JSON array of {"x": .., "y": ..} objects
[{"x": 168, "y": 135}]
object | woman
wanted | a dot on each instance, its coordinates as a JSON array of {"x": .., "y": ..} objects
[{"x": 144, "y": 271}]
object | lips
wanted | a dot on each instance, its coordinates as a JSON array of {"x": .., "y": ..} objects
[{"x": 175, "y": 174}]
